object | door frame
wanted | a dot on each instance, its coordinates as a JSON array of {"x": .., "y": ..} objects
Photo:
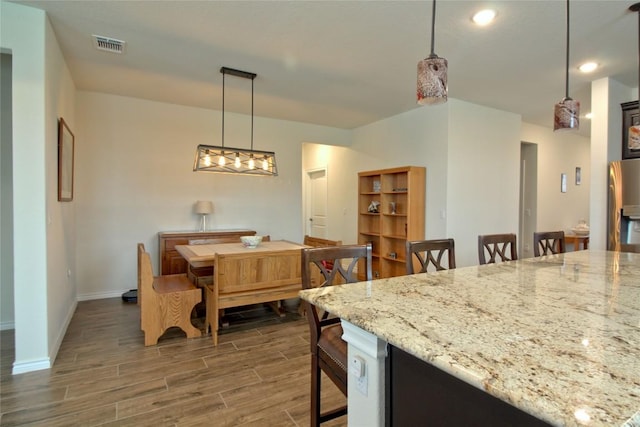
[{"x": 306, "y": 208}]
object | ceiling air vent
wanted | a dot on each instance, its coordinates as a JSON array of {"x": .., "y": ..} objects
[{"x": 108, "y": 44}]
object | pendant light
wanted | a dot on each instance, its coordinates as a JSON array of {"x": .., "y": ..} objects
[
  {"x": 566, "y": 113},
  {"x": 432, "y": 73},
  {"x": 221, "y": 159}
]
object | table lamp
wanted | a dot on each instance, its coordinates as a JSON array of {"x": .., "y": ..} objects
[{"x": 203, "y": 208}]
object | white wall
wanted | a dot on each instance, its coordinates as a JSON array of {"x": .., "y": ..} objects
[
  {"x": 483, "y": 176},
  {"x": 134, "y": 178},
  {"x": 22, "y": 33},
  {"x": 6, "y": 201},
  {"x": 415, "y": 138},
  {"x": 606, "y": 146},
  {"x": 560, "y": 152},
  {"x": 61, "y": 218},
  {"x": 473, "y": 171}
]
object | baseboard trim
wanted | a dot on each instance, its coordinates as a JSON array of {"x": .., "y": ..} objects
[
  {"x": 63, "y": 331},
  {"x": 34, "y": 365},
  {"x": 101, "y": 295}
]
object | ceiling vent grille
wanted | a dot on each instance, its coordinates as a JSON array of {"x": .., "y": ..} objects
[{"x": 108, "y": 44}]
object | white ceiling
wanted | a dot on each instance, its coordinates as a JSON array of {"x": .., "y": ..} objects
[{"x": 345, "y": 63}]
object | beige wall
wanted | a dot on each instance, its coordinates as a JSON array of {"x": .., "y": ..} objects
[
  {"x": 560, "y": 152},
  {"x": 44, "y": 293},
  {"x": 6, "y": 200},
  {"x": 60, "y": 216},
  {"x": 472, "y": 171},
  {"x": 483, "y": 176},
  {"x": 135, "y": 178}
]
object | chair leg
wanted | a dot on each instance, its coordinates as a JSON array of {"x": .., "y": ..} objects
[{"x": 315, "y": 391}]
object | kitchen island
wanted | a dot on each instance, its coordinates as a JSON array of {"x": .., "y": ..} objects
[{"x": 555, "y": 337}]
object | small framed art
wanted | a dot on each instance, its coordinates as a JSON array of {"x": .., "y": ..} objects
[{"x": 66, "y": 142}]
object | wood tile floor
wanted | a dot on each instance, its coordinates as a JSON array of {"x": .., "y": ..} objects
[{"x": 105, "y": 376}]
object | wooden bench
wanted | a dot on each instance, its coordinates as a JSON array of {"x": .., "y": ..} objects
[
  {"x": 165, "y": 301},
  {"x": 251, "y": 278}
]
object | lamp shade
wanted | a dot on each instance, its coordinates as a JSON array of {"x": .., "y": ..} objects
[
  {"x": 566, "y": 114},
  {"x": 432, "y": 80},
  {"x": 203, "y": 207}
]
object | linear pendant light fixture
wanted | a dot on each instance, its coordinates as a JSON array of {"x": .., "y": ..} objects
[
  {"x": 221, "y": 159},
  {"x": 566, "y": 113},
  {"x": 432, "y": 73}
]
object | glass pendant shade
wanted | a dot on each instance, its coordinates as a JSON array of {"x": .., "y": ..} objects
[
  {"x": 432, "y": 80},
  {"x": 432, "y": 73},
  {"x": 235, "y": 161},
  {"x": 566, "y": 114}
]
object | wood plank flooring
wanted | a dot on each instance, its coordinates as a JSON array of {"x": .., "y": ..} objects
[{"x": 259, "y": 375}]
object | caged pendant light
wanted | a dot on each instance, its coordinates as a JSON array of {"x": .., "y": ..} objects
[
  {"x": 432, "y": 73},
  {"x": 566, "y": 113},
  {"x": 221, "y": 159}
]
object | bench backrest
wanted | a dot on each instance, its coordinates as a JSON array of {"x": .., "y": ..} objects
[
  {"x": 261, "y": 270},
  {"x": 317, "y": 242}
]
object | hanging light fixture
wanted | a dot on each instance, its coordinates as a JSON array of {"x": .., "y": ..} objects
[
  {"x": 221, "y": 159},
  {"x": 566, "y": 113},
  {"x": 432, "y": 73}
]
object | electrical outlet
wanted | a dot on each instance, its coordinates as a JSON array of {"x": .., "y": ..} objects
[
  {"x": 358, "y": 369},
  {"x": 362, "y": 384}
]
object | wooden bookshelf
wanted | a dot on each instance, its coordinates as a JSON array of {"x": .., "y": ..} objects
[{"x": 388, "y": 229}]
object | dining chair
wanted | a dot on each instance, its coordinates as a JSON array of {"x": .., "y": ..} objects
[
  {"x": 328, "y": 349},
  {"x": 499, "y": 247},
  {"x": 165, "y": 301},
  {"x": 548, "y": 242},
  {"x": 318, "y": 242},
  {"x": 430, "y": 253}
]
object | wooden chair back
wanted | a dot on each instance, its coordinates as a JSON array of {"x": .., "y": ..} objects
[
  {"x": 427, "y": 253},
  {"x": 499, "y": 247},
  {"x": 165, "y": 301},
  {"x": 328, "y": 349},
  {"x": 318, "y": 242},
  {"x": 548, "y": 242}
]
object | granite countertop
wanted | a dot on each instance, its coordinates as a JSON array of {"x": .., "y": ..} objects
[{"x": 556, "y": 336}]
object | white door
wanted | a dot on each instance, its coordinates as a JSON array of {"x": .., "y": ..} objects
[{"x": 316, "y": 203}]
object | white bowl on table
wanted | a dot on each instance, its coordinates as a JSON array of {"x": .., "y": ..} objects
[
  {"x": 580, "y": 232},
  {"x": 251, "y": 241}
]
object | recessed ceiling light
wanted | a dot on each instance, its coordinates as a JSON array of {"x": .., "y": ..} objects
[
  {"x": 588, "y": 67},
  {"x": 484, "y": 17}
]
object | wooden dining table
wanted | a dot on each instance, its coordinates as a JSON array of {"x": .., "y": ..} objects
[{"x": 268, "y": 273}]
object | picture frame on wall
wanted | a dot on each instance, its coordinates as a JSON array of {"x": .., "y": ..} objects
[
  {"x": 630, "y": 130},
  {"x": 66, "y": 148}
]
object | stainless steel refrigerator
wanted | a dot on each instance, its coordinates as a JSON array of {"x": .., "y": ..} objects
[{"x": 624, "y": 206}]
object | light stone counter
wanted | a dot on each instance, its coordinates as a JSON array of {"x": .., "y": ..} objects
[{"x": 557, "y": 337}]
